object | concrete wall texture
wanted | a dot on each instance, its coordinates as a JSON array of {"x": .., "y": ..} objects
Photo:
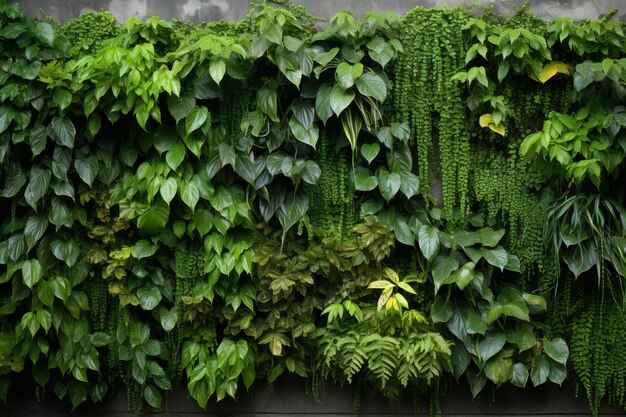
[
  {"x": 289, "y": 397},
  {"x": 210, "y": 10}
]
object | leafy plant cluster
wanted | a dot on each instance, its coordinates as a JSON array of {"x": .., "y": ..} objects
[
  {"x": 563, "y": 77},
  {"x": 217, "y": 204}
]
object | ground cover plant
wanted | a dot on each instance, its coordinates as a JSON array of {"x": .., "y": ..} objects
[{"x": 390, "y": 202}]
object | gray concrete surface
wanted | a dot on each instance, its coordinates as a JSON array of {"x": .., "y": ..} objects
[
  {"x": 289, "y": 397},
  {"x": 210, "y": 10}
]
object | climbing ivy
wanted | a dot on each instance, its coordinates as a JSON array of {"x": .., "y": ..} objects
[{"x": 385, "y": 201}]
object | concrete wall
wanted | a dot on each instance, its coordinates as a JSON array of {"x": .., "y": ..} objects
[
  {"x": 289, "y": 398},
  {"x": 209, "y": 10}
]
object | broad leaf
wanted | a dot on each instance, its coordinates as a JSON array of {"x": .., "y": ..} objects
[
  {"x": 369, "y": 151},
  {"x": 442, "y": 268},
  {"x": 363, "y": 181},
  {"x": 181, "y": 106},
  {"x": 556, "y": 349},
  {"x": 144, "y": 249},
  {"x": 149, "y": 297},
  {"x": 63, "y": 131},
  {"x": 389, "y": 184},
  {"x": 31, "y": 272},
  {"x": 340, "y": 99},
  {"x": 196, "y": 118},
  {"x": 87, "y": 169},
  {"x": 372, "y": 85},
  {"x": 153, "y": 218},
  {"x": 428, "y": 240},
  {"x": 520, "y": 375},
  {"x": 491, "y": 344},
  {"x": 37, "y": 186}
]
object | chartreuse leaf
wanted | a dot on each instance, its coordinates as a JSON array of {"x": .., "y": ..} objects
[
  {"x": 486, "y": 120},
  {"x": 551, "y": 69}
]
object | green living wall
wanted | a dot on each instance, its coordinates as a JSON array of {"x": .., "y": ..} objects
[{"x": 395, "y": 203}]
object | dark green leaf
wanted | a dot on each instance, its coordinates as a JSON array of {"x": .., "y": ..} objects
[
  {"x": 403, "y": 232},
  {"x": 175, "y": 156},
  {"x": 540, "y": 370},
  {"x": 441, "y": 310},
  {"x": 496, "y": 257},
  {"x": 292, "y": 210},
  {"x": 38, "y": 138},
  {"x": 322, "y": 103},
  {"x": 190, "y": 194},
  {"x": 369, "y": 151},
  {"x": 14, "y": 182},
  {"x": 181, "y": 106},
  {"x": 35, "y": 228},
  {"x": 491, "y": 344},
  {"x": 45, "y": 33},
  {"x": 268, "y": 103},
  {"x": 490, "y": 237},
  {"x": 153, "y": 218},
  {"x": 442, "y": 268},
  {"x": 63, "y": 131},
  {"x": 410, "y": 184},
  {"x": 558, "y": 373},
  {"x": 520, "y": 375},
  {"x": 152, "y": 396},
  {"x": 149, "y": 297},
  {"x": 87, "y": 169},
  {"x": 304, "y": 112},
  {"x": 37, "y": 186},
  {"x": 363, "y": 181},
  {"x": 61, "y": 288},
  {"x": 389, "y": 184},
  {"x": 556, "y": 349},
  {"x": 311, "y": 172},
  {"x": 305, "y": 135},
  {"x": 499, "y": 369},
  {"x": 168, "y": 318},
  {"x": 168, "y": 190}
]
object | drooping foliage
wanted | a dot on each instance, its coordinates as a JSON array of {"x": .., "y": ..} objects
[{"x": 387, "y": 200}]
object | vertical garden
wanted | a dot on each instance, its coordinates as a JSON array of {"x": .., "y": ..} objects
[{"x": 394, "y": 203}]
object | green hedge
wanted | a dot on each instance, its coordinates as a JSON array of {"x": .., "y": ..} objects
[{"x": 387, "y": 202}]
